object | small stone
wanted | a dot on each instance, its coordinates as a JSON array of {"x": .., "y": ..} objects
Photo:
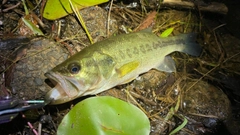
[
  {"x": 38, "y": 81},
  {"x": 30, "y": 67}
]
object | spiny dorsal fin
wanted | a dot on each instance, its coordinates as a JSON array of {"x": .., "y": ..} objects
[{"x": 147, "y": 30}]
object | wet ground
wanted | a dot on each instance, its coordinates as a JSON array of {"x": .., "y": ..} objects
[{"x": 205, "y": 88}]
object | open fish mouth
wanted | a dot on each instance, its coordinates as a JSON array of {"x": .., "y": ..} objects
[{"x": 63, "y": 91}]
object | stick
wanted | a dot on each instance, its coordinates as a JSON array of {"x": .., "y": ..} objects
[{"x": 214, "y": 7}]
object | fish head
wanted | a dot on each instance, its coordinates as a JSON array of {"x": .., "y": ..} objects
[{"x": 75, "y": 77}]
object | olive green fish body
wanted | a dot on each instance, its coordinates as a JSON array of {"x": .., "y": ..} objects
[{"x": 114, "y": 61}]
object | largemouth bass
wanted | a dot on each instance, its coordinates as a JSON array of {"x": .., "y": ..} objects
[{"x": 115, "y": 61}]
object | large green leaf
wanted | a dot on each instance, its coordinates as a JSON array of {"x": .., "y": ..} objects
[
  {"x": 55, "y": 9},
  {"x": 104, "y": 115}
]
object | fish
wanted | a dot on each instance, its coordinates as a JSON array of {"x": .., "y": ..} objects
[{"x": 114, "y": 61}]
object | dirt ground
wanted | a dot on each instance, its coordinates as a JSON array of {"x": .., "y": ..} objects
[{"x": 205, "y": 89}]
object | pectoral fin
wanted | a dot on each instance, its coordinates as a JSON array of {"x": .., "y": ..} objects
[
  {"x": 127, "y": 68},
  {"x": 167, "y": 65}
]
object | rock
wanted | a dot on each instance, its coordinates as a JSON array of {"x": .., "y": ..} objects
[
  {"x": 207, "y": 106},
  {"x": 44, "y": 54}
]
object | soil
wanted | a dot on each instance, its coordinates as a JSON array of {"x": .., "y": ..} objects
[{"x": 204, "y": 90}]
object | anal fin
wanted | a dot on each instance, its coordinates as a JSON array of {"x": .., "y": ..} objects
[{"x": 167, "y": 65}]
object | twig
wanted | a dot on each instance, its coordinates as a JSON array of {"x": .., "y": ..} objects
[
  {"x": 4, "y": 1},
  {"x": 31, "y": 126},
  {"x": 212, "y": 70},
  {"x": 12, "y": 7},
  {"x": 109, "y": 17},
  {"x": 77, "y": 13},
  {"x": 133, "y": 99},
  {"x": 206, "y": 116},
  {"x": 143, "y": 98},
  {"x": 148, "y": 21},
  {"x": 214, "y": 7}
]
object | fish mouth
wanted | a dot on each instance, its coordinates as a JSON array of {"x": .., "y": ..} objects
[{"x": 63, "y": 91}]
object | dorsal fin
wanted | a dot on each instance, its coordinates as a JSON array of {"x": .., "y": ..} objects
[{"x": 147, "y": 30}]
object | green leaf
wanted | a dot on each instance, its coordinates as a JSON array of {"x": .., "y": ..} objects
[
  {"x": 180, "y": 127},
  {"x": 25, "y": 8},
  {"x": 104, "y": 115},
  {"x": 55, "y": 9},
  {"x": 167, "y": 32},
  {"x": 32, "y": 27}
]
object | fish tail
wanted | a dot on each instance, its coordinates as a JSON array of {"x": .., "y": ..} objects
[{"x": 191, "y": 47}]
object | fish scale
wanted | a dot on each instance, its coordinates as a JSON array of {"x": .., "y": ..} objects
[{"x": 114, "y": 61}]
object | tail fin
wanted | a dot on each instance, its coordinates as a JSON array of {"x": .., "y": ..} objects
[{"x": 191, "y": 47}]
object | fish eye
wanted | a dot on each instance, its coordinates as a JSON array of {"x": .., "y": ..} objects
[{"x": 74, "y": 68}]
